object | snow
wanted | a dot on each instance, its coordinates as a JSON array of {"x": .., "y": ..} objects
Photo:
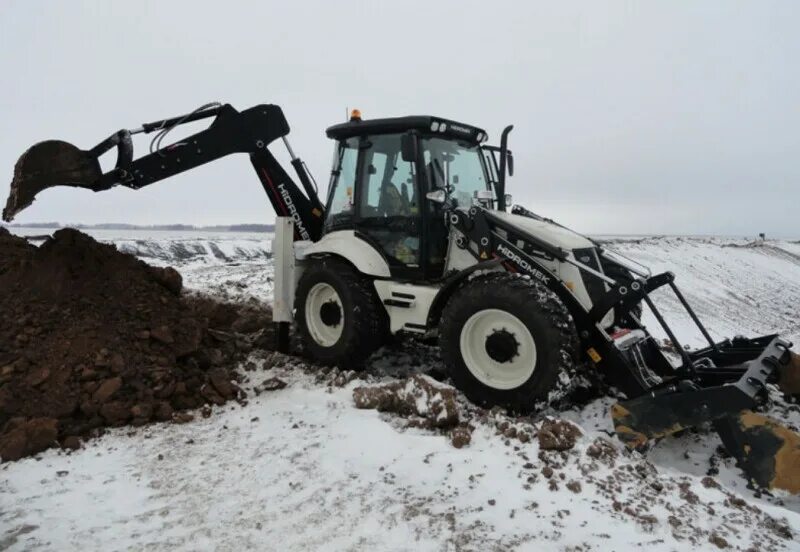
[
  {"x": 302, "y": 469},
  {"x": 735, "y": 286}
]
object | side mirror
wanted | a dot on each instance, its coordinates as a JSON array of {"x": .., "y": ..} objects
[
  {"x": 510, "y": 163},
  {"x": 437, "y": 196},
  {"x": 408, "y": 147}
]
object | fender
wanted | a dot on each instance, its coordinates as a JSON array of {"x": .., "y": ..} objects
[
  {"x": 452, "y": 282},
  {"x": 348, "y": 245}
]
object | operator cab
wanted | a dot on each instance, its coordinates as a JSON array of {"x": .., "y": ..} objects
[{"x": 384, "y": 170}]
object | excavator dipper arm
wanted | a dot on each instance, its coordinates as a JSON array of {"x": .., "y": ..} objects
[{"x": 57, "y": 163}]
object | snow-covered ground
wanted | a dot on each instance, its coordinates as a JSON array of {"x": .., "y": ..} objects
[{"x": 302, "y": 469}]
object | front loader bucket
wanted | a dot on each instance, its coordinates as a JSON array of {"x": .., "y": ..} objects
[
  {"x": 767, "y": 452},
  {"x": 47, "y": 164},
  {"x": 654, "y": 416}
]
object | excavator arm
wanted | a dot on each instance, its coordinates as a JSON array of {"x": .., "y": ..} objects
[{"x": 57, "y": 163}]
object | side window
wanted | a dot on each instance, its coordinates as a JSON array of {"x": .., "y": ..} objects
[
  {"x": 388, "y": 181},
  {"x": 342, "y": 187},
  {"x": 374, "y": 189}
]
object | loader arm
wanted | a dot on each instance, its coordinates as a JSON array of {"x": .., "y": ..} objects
[{"x": 56, "y": 163}]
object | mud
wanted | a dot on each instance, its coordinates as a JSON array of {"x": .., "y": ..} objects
[
  {"x": 91, "y": 337},
  {"x": 427, "y": 402}
]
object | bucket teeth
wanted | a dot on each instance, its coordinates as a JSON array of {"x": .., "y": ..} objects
[{"x": 768, "y": 452}]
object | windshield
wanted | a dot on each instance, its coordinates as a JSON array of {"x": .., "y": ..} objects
[{"x": 456, "y": 166}]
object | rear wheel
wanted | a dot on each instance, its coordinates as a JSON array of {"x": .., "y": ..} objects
[
  {"x": 339, "y": 316},
  {"x": 505, "y": 339}
]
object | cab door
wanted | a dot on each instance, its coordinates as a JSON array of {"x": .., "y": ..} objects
[{"x": 388, "y": 212}]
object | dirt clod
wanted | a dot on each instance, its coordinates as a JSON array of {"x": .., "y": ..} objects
[
  {"x": 272, "y": 384},
  {"x": 432, "y": 403},
  {"x": 709, "y": 483},
  {"x": 461, "y": 436},
  {"x": 558, "y": 435},
  {"x": 71, "y": 443},
  {"x": 717, "y": 540},
  {"x": 574, "y": 486},
  {"x": 107, "y": 390},
  {"x": 22, "y": 438}
]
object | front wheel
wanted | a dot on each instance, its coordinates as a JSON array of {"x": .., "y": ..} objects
[{"x": 505, "y": 339}]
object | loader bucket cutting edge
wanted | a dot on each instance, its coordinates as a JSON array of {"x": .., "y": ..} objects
[
  {"x": 626, "y": 424},
  {"x": 47, "y": 164}
]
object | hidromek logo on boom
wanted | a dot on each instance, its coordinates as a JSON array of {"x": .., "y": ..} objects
[
  {"x": 525, "y": 265},
  {"x": 293, "y": 212}
]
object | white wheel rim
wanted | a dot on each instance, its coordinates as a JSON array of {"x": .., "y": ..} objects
[
  {"x": 323, "y": 332},
  {"x": 510, "y": 373}
]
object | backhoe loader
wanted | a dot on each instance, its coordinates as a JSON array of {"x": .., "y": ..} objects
[{"x": 417, "y": 234}]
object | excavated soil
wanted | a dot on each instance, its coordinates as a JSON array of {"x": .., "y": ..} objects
[{"x": 91, "y": 337}]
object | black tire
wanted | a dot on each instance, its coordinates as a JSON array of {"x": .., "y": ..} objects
[
  {"x": 363, "y": 318},
  {"x": 622, "y": 274},
  {"x": 538, "y": 309}
]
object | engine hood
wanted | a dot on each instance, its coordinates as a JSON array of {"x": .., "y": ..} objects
[{"x": 546, "y": 231}]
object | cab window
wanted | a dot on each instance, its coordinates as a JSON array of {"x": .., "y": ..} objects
[
  {"x": 389, "y": 181},
  {"x": 455, "y": 166},
  {"x": 341, "y": 202},
  {"x": 388, "y": 202}
]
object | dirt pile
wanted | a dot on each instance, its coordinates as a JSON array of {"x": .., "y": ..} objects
[{"x": 91, "y": 337}]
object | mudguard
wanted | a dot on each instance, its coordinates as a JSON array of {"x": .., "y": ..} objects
[{"x": 347, "y": 244}]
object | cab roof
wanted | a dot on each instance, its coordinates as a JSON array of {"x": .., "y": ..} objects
[{"x": 425, "y": 124}]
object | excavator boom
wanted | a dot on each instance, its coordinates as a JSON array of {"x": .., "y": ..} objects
[{"x": 57, "y": 163}]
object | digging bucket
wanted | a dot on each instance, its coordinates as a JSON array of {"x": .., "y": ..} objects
[{"x": 47, "y": 164}]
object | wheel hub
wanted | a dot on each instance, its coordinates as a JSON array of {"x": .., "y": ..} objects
[
  {"x": 330, "y": 313},
  {"x": 498, "y": 348},
  {"x": 502, "y": 346},
  {"x": 324, "y": 314}
]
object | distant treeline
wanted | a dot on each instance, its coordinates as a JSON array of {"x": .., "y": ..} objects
[{"x": 123, "y": 226}]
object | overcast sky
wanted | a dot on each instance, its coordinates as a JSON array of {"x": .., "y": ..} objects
[{"x": 630, "y": 117}]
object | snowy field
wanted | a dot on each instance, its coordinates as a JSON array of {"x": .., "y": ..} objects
[{"x": 302, "y": 469}]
